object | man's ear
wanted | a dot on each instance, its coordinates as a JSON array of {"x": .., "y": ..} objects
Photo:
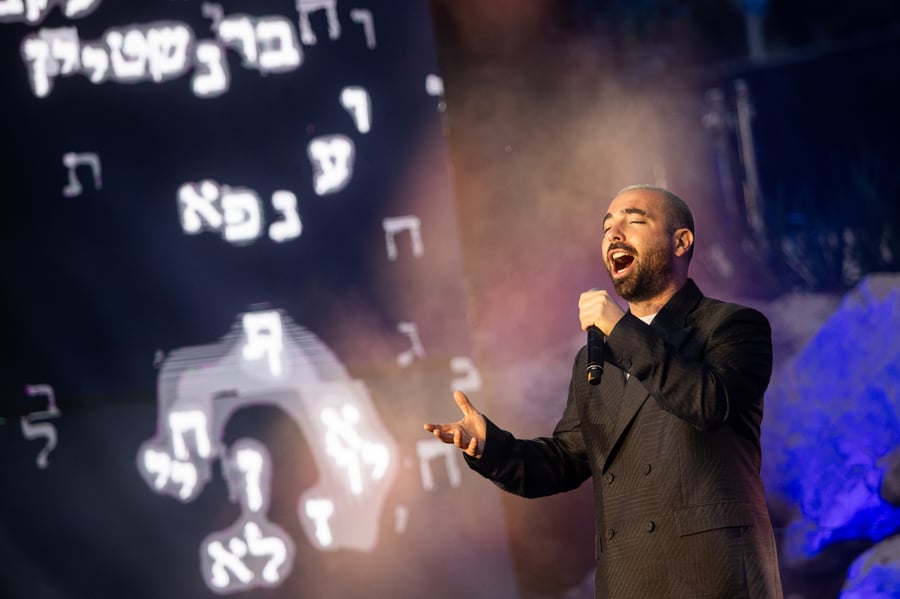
[{"x": 684, "y": 241}]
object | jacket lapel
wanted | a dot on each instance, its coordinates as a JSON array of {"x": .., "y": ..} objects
[{"x": 671, "y": 321}]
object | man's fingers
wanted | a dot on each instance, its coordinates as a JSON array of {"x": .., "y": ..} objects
[
  {"x": 463, "y": 402},
  {"x": 472, "y": 447}
]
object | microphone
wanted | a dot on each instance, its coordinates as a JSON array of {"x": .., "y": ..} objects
[{"x": 594, "y": 355}]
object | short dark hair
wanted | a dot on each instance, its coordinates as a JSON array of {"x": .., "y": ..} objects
[{"x": 678, "y": 213}]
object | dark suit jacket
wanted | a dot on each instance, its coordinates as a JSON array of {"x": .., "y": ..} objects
[{"x": 674, "y": 452}]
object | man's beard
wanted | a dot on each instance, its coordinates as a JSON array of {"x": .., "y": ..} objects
[{"x": 650, "y": 276}]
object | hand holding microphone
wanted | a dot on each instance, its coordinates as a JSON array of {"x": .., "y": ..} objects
[{"x": 598, "y": 314}]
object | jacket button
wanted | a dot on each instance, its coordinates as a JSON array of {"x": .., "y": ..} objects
[
  {"x": 649, "y": 526},
  {"x": 609, "y": 477},
  {"x": 647, "y": 468},
  {"x": 610, "y": 533}
]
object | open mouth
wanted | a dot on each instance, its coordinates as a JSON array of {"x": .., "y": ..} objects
[{"x": 620, "y": 262}]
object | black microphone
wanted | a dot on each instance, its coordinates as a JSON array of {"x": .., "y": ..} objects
[{"x": 594, "y": 355}]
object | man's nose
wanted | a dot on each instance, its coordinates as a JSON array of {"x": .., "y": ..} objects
[{"x": 614, "y": 233}]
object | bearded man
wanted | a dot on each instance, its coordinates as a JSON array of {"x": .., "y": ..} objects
[{"x": 671, "y": 434}]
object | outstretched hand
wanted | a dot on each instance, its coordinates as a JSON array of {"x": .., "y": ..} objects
[{"x": 469, "y": 433}]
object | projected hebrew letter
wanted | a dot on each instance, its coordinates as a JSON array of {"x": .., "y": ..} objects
[
  {"x": 285, "y": 202},
  {"x": 158, "y": 463},
  {"x": 211, "y": 77},
  {"x": 36, "y": 53},
  {"x": 251, "y": 463},
  {"x": 264, "y": 336},
  {"x": 196, "y": 207},
  {"x": 349, "y": 450},
  {"x": 242, "y": 211},
  {"x": 167, "y": 49},
  {"x": 128, "y": 54},
  {"x": 279, "y": 49},
  {"x": 273, "y": 547},
  {"x": 332, "y": 161},
  {"x": 72, "y": 161},
  {"x": 183, "y": 422},
  {"x": 185, "y": 475},
  {"x": 320, "y": 511},
  {"x": 397, "y": 224},
  {"x": 95, "y": 62},
  {"x": 237, "y": 31},
  {"x": 75, "y": 9},
  {"x": 46, "y": 390},
  {"x": 431, "y": 449},
  {"x": 65, "y": 49},
  {"x": 214, "y": 12},
  {"x": 35, "y": 10},
  {"x": 225, "y": 561},
  {"x": 364, "y": 18},
  {"x": 11, "y": 10},
  {"x": 163, "y": 468},
  {"x": 304, "y": 7},
  {"x": 416, "y": 350},
  {"x": 44, "y": 430},
  {"x": 357, "y": 102},
  {"x": 471, "y": 381}
]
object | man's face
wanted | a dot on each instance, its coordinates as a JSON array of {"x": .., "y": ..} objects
[{"x": 637, "y": 247}]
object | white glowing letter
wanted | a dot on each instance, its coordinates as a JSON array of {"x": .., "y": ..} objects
[
  {"x": 264, "y": 339},
  {"x": 95, "y": 60},
  {"x": 128, "y": 52},
  {"x": 279, "y": 49},
  {"x": 10, "y": 10},
  {"x": 237, "y": 31},
  {"x": 181, "y": 423},
  {"x": 271, "y": 546},
  {"x": 196, "y": 207},
  {"x": 40, "y": 430},
  {"x": 430, "y": 449},
  {"x": 225, "y": 561},
  {"x": 36, "y": 10},
  {"x": 45, "y": 430},
  {"x": 211, "y": 76},
  {"x": 75, "y": 9},
  {"x": 36, "y": 53},
  {"x": 471, "y": 381},
  {"x": 357, "y": 102},
  {"x": 47, "y": 390},
  {"x": 71, "y": 161},
  {"x": 167, "y": 48},
  {"x": 243, "y": 215},
  {"x": 349, "y": 450},
  {"x": 213, "y": 12},
  {"x": 319, "y": 511},
  {"x": 397, "y": 224},
  {"x": 285, "y": 202},
  {"x": 250, "y": 463},
  {"x": 416, "y": 349},
  {"x": 364, "y": 18},
  {"x": 304, "y": 7},
  {"x": 65, "y": 49},
  {"x": 332, "y": 160}
]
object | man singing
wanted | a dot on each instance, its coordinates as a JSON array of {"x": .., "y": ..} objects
[{"x": 670, "y": 435}]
